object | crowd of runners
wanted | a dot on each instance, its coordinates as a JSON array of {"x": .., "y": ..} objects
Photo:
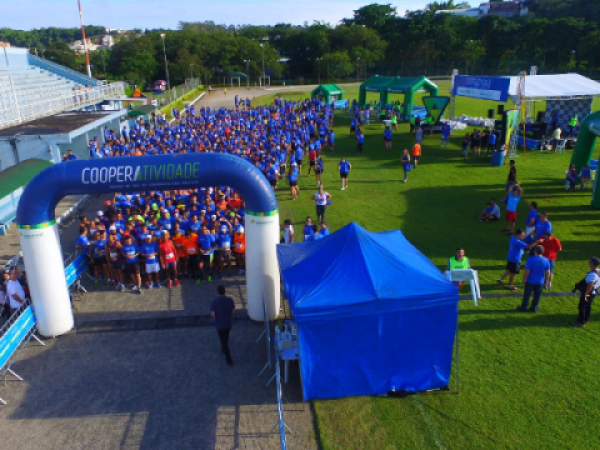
[{"x": 143, "y": 238}]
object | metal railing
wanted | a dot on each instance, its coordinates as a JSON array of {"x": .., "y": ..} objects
[
  {"x": 62, "y": 71},
  {"x": 43, "y": 102}
]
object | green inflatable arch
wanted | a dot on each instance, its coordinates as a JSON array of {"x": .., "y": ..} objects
[
  {"x": 396, "y": 85},
  {"x": 584, "y": 149}
]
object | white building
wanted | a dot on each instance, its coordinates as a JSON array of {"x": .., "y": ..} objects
[{"x": 504, "y": 9}]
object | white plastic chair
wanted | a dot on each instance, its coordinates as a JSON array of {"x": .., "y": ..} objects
[{"x": 469, "y": 275}]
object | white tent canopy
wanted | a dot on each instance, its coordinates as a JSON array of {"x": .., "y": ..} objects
[{"x": 554, "y": 87}]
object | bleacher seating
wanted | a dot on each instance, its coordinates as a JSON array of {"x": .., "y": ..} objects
[{"x": 32, "y": 87}]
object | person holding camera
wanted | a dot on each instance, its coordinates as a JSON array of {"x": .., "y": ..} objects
[{"x": 589, "y": 288}]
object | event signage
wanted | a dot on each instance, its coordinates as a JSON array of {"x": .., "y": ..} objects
[
  {"x": 435, "y": 106},
  {"x": 485, "y": 88},
  {"x": 13, "y": 337}
]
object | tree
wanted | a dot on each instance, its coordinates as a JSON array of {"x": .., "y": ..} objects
[
  {"x": 372, "y": 16},
  {"x": 60, "y": 53}
]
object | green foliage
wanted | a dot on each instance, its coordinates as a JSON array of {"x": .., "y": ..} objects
[{"x": 60, "y": 53}]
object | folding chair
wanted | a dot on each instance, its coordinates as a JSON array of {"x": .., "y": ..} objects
[{"x": 560, "y": 147}]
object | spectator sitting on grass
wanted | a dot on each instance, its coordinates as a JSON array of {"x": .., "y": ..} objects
[
  {"x": 491, "y": 212},
  {"x": 584, "y": 176}
]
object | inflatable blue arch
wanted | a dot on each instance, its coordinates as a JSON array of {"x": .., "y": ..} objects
[{"x": 40, "y": 241}]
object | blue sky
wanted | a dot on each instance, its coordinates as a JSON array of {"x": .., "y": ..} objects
[{"x": 128, "y": 14}]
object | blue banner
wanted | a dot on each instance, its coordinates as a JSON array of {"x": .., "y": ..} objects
[
  {"x": 143, "y": 173},
  {"x": 15, "y": 335},
  {"x": 485, "y": 88},
  {"x": 76, "y": 268}
]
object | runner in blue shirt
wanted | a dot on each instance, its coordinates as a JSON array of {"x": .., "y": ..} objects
[
  {"x": 131, "y": 253},
  {"x": 445, "y": 134},
  {"x": 512, "y": 202},
  {"x": 513, "y": 260},
  {"x": 150, "y": 252},
  {"x": 535, "y": 277},
  {"x": 206, "y": 247},
  {"x": 344, "y": 167},
  {"x": 293, "y": 180}
]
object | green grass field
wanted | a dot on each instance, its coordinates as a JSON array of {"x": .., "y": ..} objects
[{"x": 527, "y": 381}]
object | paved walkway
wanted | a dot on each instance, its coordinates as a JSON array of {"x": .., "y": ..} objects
[{"x": 145, "y": 372}]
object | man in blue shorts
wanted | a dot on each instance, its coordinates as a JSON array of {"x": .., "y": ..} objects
[
  {"x": 518, "y": 244},
  {"x": 344, "y": 167},
  {"x": 445, "y": 134}
]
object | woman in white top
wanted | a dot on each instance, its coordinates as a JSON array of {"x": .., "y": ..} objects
[
  {"x": 288, "y": 232},
  {"x": 321, "y": 199}
]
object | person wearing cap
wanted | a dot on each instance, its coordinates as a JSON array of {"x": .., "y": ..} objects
[
  {"x": 206, "y": 247},
  {"x": 223, "y": 240},
  {"x": 588, "y": 287},
  {"x": 149, "y": 250},
  {"x": 131, "y": 251},
  {"x": 535, "y": 276},
  {"x": 322, "y": 198},
  {"x": 168, "y": 258},
  {"x": 239, "y": 248},
  {"x": 113, "y": 260},
  {"x": 551, "y": 248}
]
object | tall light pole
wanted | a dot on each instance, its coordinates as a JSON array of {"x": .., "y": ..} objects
[
  {"x": 247, "y": 61},
  {"x": 357, "y": 67},
  {"x": 571, "y": 62},
  {"x": 88, "y": 67},
  {"x": 262, "y": 51},
  {"x": 162, "y": 36}
]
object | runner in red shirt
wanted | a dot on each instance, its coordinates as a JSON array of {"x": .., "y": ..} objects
[
  {"x": 168, "y": 258},
  {"x": 551, "y": 248}
]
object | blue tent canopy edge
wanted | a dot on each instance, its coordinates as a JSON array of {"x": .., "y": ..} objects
[{"x": 374, "y": 314}]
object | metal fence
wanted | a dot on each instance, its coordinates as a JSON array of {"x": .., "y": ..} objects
[
  {"x": 18, "y": 106},
  {"x": 170, "y": 96}
]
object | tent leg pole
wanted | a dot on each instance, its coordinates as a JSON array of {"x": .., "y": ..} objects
[{"x": 457, "y": 357}]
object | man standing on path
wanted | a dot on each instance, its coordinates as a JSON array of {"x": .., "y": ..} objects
[
  {"x": 551, "y": 248},
  {"x": 535, "y": 276},
  {"x": 592, "y": 284},
  {"x": 344, "y": 167},
  {"x": 222, "y": 309}
]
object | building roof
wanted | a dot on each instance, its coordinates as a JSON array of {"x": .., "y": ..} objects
[
  {"x": 20, "y": 174},
  {"x": 62, "y": 123}
]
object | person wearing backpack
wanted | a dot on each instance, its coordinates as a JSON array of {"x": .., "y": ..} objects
[{"x": 589, "y": 289}]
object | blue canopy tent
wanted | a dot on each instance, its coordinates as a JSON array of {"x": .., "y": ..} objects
[{"x": 374, "y": 314}]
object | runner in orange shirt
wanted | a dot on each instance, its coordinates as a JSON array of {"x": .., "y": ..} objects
[
  {"x": 239, "y": 248},
  {"x": 416, "y": 152},
  {"x": 190, "y": 246},
  {"x": 177, "y": 239}
]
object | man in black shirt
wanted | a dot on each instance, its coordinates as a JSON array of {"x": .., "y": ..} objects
[{"x": 222, "y": 309}]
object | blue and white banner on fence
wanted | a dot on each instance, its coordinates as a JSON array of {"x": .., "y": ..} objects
[
  {"x": 76, "y": 268},
  {"x": 485, "y": 88},
  {"x": 15, "y": 335}
]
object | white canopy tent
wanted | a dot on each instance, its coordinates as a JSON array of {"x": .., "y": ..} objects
[{"x": 555, "y": 87}]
